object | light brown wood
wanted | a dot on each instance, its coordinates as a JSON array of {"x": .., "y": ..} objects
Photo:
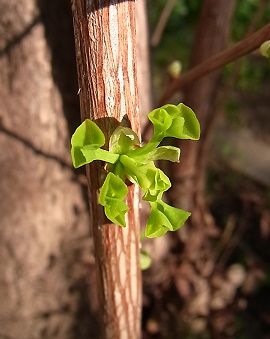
[{"x": 105, "y": 50}]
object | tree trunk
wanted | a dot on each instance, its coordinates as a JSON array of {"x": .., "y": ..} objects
[
  {"x": 211, "y": 37},
  {"x": 43, "y": 214},
  {"x": 197, "y": 255},
  {"x": 105, "y": 50}
]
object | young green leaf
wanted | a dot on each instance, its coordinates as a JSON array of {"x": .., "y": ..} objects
[
  {"x": 112, "y": 195},
  {"x": 161, "y": 120},
  {"x": 88, "y": 134},
  {"x": 115, "y": 211},
  {"x": 142, "y": 155},
  {"x": 152, "y": 180},
  {"x": 86, "y": 142},
  {"x": 98, "y": 154},
  {"x": 159, "y": 183},
  {"x": 174, "y": 121},
  {"x": 118, "y": 169},
  {"x": 164, "y": 218},
  {"x": 167, "y": 122},
  {"x": 78, "y": 159},
  {"x": 112, "y": 188},
  {"x": 191, "y": 128},
  {"x": 123, "y": 140}
]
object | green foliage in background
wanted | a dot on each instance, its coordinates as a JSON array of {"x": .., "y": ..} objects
[
  {"x": 249, "y": 15},
  {"x": 245, "y": 76},
  {"x": 128, "y": 160},
  {"x": 178, "y": 35}
]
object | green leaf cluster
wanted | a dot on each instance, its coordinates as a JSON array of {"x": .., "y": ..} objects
[{"x": 128, "y": 160}]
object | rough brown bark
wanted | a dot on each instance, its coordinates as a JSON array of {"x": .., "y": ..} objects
[
  {"x": 43, "y": 216},
  {"x": 105, "y": 50}
]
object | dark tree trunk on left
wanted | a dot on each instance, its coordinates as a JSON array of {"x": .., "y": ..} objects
[{"x": 43, "y": 216}]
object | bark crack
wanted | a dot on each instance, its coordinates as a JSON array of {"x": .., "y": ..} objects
[
  {"x": 18, "y": 38},
  {"x": 33, "y": 148},
  {"x": 81, "y": 179}
]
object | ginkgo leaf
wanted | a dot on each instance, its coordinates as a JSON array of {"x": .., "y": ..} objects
[
  {"x": 142, "y": 155},
  {"x": 159, "y": 183},
  {"x": 99, "y": 154},
  {"x": 78, "y": 159},
  {"x": 152, "y": 180},
  {"x": 86, "y": 142},
  {"x": 112, "y": 196},
  {"x": 167, "y": 122},
  {"x": 123, "y": 140},
  {"x": 88, "y": 134},
  {"x": 161, "y": 119},
  {"x": 164, "y": 218},
  {"x": 174, "y": 121},
  {"x": 113, "y": 188},
  {"x": 119, "y": 170},
  {"x": 155, "y": 231},
  {"x": 85, "y": 155},
  {"x": 191, "y": 129},
  {"x": 115, "y": 211}
]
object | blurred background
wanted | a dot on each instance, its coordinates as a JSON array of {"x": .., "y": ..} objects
[{"x": 209, "y": 280}]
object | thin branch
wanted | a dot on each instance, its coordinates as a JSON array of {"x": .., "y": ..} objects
[
  {"x": 163, "y": 19},
  {"x": 219, "y": 60},
  {"x": 240, "y": 49}
]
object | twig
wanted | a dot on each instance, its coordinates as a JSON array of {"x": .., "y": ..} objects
[
  {"x": 219, "y": 60},
  {"x": 163, "y": 19}
]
